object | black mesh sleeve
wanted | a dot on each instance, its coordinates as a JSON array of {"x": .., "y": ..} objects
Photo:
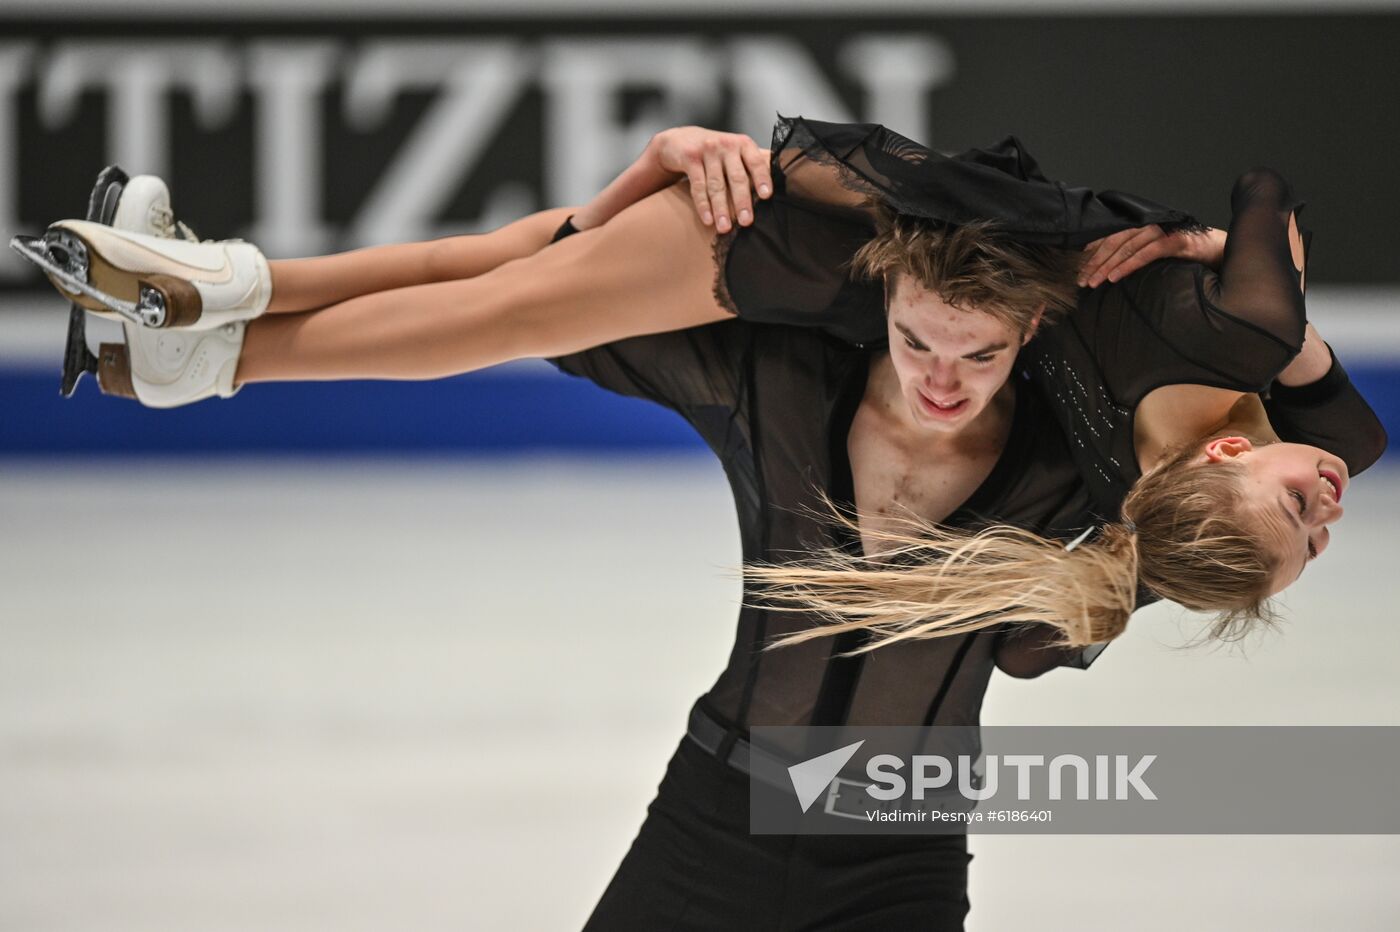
[
  {"x": 1329, "y": 413},
  {"x": 1028, "y": 651},
  {"x": 1178, "y": 322},
  {"x": 698, "y": 373},
  {"x": 1258, "y": 284},
  {"x": 683, "y": 369}
]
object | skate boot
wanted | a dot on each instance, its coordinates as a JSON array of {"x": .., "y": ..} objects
[
  {"x": 170, "y": 367},
  {"x": 173, "y": 367},
  {"x": 143, "y": 206},
  {"x": 140, "y": 204},
  {"x": 150, "y": 280}
]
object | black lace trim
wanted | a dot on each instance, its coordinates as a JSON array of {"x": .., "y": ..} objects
[
  {"x": 720, "y": 249},
  {"x": 810, "y": 147}
]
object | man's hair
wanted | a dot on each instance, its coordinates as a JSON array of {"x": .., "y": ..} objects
[{"x": 973, "y": 267}]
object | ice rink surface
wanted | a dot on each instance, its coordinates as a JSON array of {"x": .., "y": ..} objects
[{"x": 302, "y": 695}]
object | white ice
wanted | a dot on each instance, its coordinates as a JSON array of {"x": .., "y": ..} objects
[{"x": 365, "y": 695}]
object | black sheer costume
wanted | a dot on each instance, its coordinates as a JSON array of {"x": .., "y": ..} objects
[
  {"x": 776, "y": 403},
  {"x": 1174, "y": 322},
  {"x": 1177, "y": 322}
]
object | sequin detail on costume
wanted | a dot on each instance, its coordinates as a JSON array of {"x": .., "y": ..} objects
[{"x": 1093, "y": 417}]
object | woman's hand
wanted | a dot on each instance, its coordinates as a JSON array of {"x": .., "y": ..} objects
[
  {"x": 723, "y": 169},
  {"x": 1123, "y": 253}
]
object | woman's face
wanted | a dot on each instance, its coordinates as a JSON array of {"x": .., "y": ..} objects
[
  {"x": 1297, "y": 489},
  {"x": 950, "y": 362}
]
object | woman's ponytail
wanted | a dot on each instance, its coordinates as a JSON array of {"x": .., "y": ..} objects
[
  {"x": 932, "y": 582},
  {"x": 1187, "y": 534}
]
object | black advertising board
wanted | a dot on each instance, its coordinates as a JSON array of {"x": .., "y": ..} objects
[{"x": 329, "y": 132}]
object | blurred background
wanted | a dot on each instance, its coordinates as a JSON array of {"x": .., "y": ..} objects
[{"x": 374, "y": 655}]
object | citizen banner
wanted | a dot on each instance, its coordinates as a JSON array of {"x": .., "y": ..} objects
[{"x": 314, "y": 134}]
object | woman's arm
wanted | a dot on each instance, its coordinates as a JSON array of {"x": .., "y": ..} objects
[{"x": 1312, "y": 400}]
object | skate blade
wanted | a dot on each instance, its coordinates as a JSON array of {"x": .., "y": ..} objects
[
  {"x": 67, "y": 262},
  {"x": 106, "y": 193},
  {"x": 78, "y": 358}
]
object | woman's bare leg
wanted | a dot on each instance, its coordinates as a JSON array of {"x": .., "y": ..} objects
[
  {"x": 648, "y": 270},
  {"x": 308, "y": 284}
]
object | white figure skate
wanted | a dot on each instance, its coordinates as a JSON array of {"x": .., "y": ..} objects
[
  {"x": 143, "y": 206},
  {"x": 151, "y": 280},
  {"x": 169, "y": 367}
]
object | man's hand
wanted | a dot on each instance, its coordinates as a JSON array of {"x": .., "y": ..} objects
[
  {"x": 1123, "y": 253},
  {"x": 720, "y": 167},
  {"x": 723, "y": 169}
]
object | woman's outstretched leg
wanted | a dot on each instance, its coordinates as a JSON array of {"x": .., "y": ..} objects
[
  {"x": 309, "y": 284},
  {"x": 648, "y": 270},
  {"x": 719, "y": 168}
]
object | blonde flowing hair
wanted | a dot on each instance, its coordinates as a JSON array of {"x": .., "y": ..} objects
[{"x": 1186, "y": 534}]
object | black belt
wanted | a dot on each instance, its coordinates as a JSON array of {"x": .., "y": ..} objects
[
  {"x": 722, "y": 741},
  {"x": 845, "y": 798}
]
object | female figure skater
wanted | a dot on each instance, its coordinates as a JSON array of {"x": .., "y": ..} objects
[{"x": 794, "y": 415}]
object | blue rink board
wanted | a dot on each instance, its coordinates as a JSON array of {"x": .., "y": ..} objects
[{"x": 489, "y": 413}]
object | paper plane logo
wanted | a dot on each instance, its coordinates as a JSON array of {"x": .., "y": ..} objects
[{"x": 811, "y": 777}]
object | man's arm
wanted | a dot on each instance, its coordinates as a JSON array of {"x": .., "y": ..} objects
[
  {"x": 1028, "y": 651},
  {"x": 723, "y": 170}
]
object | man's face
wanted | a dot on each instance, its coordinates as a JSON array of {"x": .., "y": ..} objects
[{"x": 950, "y": 362}]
